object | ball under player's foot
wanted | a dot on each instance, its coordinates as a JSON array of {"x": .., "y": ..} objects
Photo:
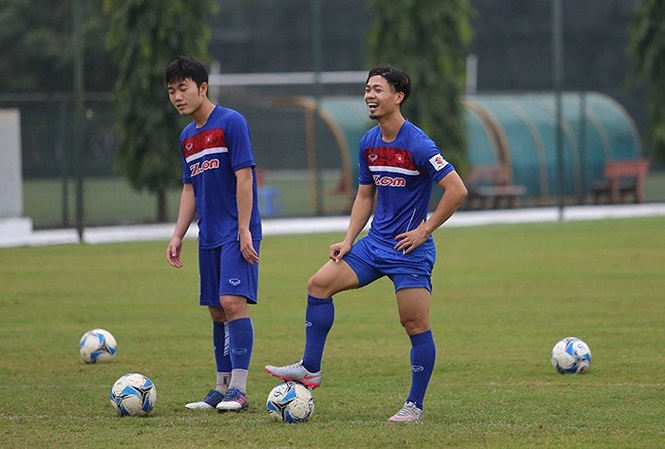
[
  {"x": 211, "y": 400},
  {"x": 297, "y": 373}
]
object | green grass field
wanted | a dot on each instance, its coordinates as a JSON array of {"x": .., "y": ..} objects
[{"x": 504, "y": 295}]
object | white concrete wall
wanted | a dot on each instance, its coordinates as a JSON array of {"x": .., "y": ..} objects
[{"x": 11, "y": 177}]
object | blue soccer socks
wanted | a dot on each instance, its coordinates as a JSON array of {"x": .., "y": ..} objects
[
  {"x": 423, "y": 356},
  {"x": 241, "y": 342},
  {"x": 220, "y": 340},
  {"x": 319, "y": 318}
]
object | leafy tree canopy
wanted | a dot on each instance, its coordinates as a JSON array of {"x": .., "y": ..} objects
[
  {"x": 647, "y": 45},
  {"x": 428, "y": 39},
  {"x": 144, "y": 37},
  {"x": 36, "y": 37}
]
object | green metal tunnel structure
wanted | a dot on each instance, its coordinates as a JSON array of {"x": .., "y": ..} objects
[{"x": 519, "y": 132}]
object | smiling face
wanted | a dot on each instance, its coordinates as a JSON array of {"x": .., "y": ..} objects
[
  {"x": 381, "y": 98},
  {"x": 187, "y": 97}
]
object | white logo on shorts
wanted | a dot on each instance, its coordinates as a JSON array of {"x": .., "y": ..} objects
[{"x": 234, "y": 281}]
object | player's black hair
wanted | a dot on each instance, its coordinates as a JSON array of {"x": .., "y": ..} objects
[
  {"x": 184, "y": 68},
  {"x": 395, "y": 76}
]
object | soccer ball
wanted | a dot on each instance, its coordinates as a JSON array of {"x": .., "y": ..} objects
[
  {"x": 97, "y": 345},
  {"x": 290, "y": 402},
  {"x": 133, "y": 395},
  {"x": 571, "y": 355}
]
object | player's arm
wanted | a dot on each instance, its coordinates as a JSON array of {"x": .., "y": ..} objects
[
  {"x": 186, "y": 214},
  {"x": 361, "y": 211},
  {"x": 454, "y": 192},
  {"x": 245, "y": 200}
]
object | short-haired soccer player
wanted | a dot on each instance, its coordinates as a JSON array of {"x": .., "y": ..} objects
[
  {"x": 219, "y": 184},
  {"x": 399, "y": 163}
]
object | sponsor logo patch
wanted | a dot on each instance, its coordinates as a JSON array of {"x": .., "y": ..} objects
[{"x": 438, "y": 162}]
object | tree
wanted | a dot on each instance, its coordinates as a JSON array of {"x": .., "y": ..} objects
[
  {"x": 144, "y": 37},
  {"x": 647, "y": 45},
  {"x": 428, "y": 39},
  {"x": 36, "y": 37}
]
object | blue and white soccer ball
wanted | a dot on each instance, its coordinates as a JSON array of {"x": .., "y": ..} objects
[
  {"x": 290, "y": 402},
  {"x": 133, "y": 395},
  {"x": 571, "y": 355},
  {"x": 97, "y": 345}
]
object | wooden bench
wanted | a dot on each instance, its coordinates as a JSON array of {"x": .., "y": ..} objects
[
  {"x": 489, "y": 185},
  {"x": 623, "y": 178}
]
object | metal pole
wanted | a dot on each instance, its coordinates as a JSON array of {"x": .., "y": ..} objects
[
  {"x": 61, "y": 152},
  {"x": 583, "y": 149},
  {"x": 317, "y": 52},
  {"x": 79, "y": 110},
  {"x": 557, "y": 56}
]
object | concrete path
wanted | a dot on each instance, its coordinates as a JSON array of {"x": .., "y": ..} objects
[{"x": 19, "y": 232}]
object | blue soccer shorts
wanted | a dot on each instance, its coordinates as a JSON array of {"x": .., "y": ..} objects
[
  {"x": 223, "y": 271},
  {"x": 372, "y": 259}
]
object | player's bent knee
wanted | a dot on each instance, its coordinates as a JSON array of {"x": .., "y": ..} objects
[
  {"x": 325, "y": 287},
  {"x": 318, "y": 288},
  {"x": 332, "y": 278}
]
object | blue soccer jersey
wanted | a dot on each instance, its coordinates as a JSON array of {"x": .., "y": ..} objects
[
  {"x": 211, "y": 156},
  {"x": 403, "y": 171}
]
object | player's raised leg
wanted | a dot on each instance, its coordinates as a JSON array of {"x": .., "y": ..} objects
[{"x": 331, "y": 278}]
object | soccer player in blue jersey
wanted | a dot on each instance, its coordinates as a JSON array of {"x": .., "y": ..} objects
[
  {"x": 399, "y": 164},
  {"x": 219, "y": 185}
]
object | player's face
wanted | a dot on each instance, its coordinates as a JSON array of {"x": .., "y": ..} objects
[
  {"x": 381, "y": 98},
  {"x": 186, "y": 96}
]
